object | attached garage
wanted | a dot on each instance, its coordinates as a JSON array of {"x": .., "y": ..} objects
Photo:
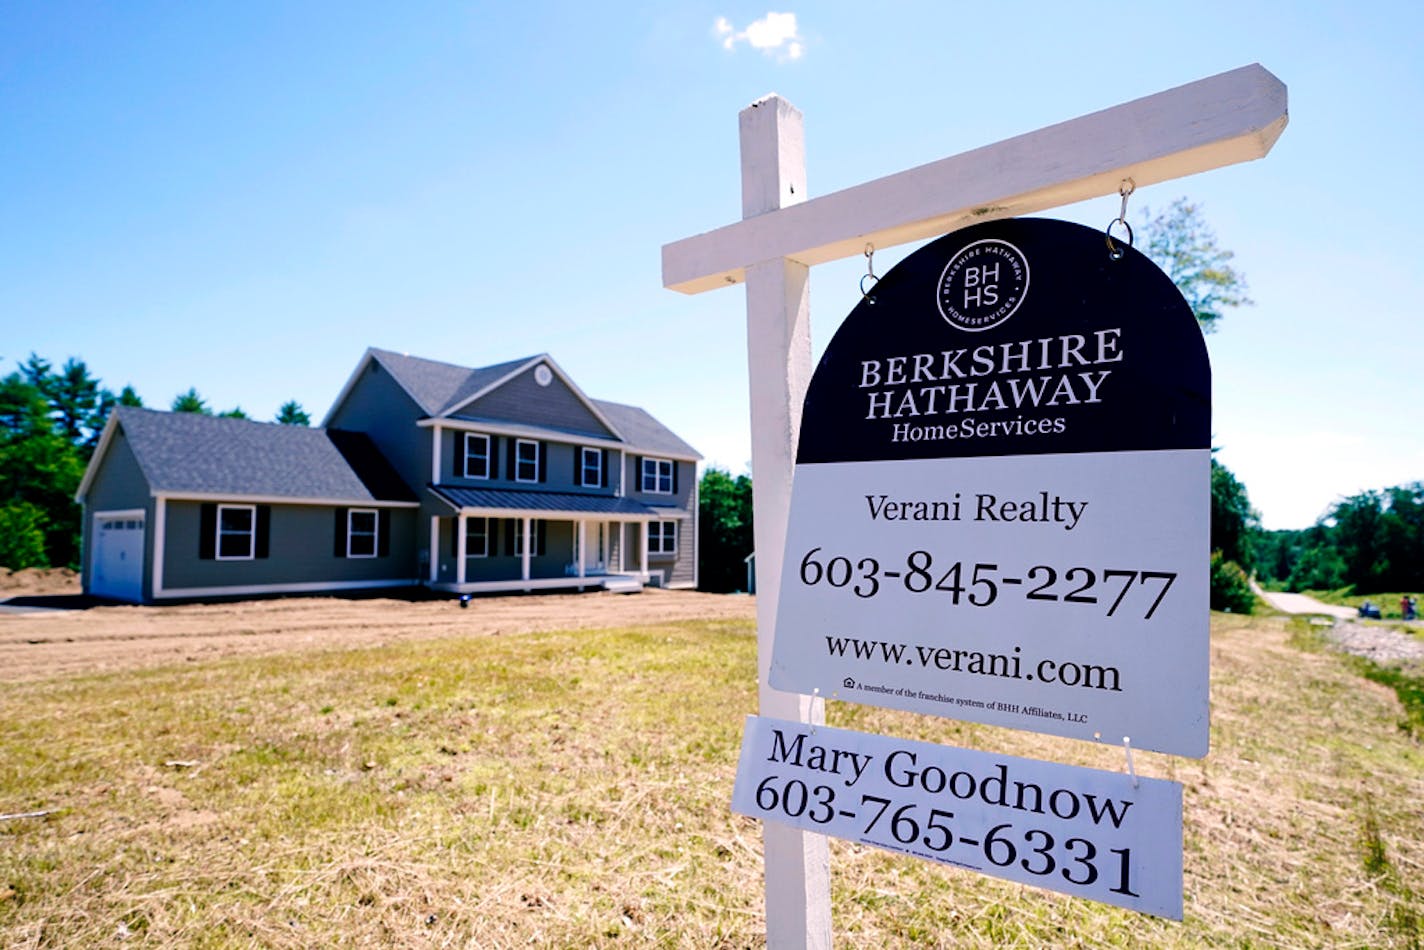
[{"x": 118, "y": 555}]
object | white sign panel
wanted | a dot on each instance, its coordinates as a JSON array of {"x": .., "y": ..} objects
[
  {"x": 1099, "y": 835},
  {"x": 1000, "y": 509}
]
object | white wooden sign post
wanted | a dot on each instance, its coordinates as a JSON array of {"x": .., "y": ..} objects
[{"x": 1232, "y": 117}]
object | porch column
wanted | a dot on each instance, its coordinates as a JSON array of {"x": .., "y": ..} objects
[
  {"x": 528, "y": 543},
  {"x": 434, "y": 549},
  {"x": 643, "y": 550},
  {"x": 460, "y": 549},
  {"x": 622, "y": 543},
  {"x": 582, "y": 546},
  {"x": 603, "y": 530}
]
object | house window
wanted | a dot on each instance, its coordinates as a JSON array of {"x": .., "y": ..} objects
[
  {"x": 477, "y": 455},
  {"x": 236, "y": 532},
  {"x": 657, "y": 476},
  {"x": 477, "y": 537},
  {"x": 591, "y": 467},
  {"x": 362, "y": 527},
  {"x": 662, "y": 537},
  {"x": 526, "y": 461}
]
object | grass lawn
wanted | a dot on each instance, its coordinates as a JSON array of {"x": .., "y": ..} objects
[{"x": 571, "y": 789}]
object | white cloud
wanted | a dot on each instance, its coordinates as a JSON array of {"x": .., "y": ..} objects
[{"x": 774, "y": 34}]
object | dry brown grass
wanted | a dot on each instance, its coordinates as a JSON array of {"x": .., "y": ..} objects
[{"x": 571, "y": 789}]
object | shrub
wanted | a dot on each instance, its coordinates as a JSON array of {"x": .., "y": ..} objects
[{"x": 1230, "y": 588}]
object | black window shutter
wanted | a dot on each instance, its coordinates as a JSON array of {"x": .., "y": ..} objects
[
  {"x": 578, "y": 465},
  {"x": 461, "y": 447},
  {"x": 509, "y": 526},
  {"x": 208, "y": 531},
  {"x": 638, "y": 472},
  {"x": 541, "y": 536},
  {"x": 383, "y": 532},
  {"x": 492, "y": 470},
  {"x": 264, "y": 530},
  {"x": 338, "y": 533},
  {"x": 674, "y": 476},
  {"x": 454, "y": 537},
  {"x": 543, "y": 461},
  {"x": 509, "y": 466},
  {"x": 607, "y": 461}
]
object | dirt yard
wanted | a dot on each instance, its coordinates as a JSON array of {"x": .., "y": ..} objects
[{"x": 101, "y": 639}]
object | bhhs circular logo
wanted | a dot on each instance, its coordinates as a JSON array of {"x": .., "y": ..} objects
[{"x": 983, "y": 285}]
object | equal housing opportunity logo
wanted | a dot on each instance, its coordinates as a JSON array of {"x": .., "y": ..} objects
[{"x": 983, "y": 285}]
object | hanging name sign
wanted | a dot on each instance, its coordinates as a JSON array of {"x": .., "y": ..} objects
[{"x": 1000, "y": 506}]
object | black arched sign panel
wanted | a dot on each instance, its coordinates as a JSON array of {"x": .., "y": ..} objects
[{"x": 1001, "y": 498}]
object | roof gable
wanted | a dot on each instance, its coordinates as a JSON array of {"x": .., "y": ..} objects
[
  {"x": 188, "y": 453},
  {"x": 537, "y": 395}
]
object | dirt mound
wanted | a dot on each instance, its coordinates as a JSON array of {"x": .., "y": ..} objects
[{"x": 38, "y": 580}]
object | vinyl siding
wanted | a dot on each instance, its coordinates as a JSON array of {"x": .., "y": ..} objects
[
  {"x": 119, "y": 484},
  {"x": 379, "y": 407},
  {"x": 301, "y": 550},
  {"x": 524, "y": 401},
  {"x": 558, "y": 471}
]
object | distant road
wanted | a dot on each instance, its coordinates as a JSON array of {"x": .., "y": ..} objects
[{"x": 1301, "y": 604}]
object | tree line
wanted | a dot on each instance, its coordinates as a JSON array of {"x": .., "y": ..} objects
[
  {"x": 1372, "y": 542},
  {"x": 50, "y": 423}
]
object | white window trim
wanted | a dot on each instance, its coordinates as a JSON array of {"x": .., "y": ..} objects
[
  {"x": 585, "y": 453},
  {"x": 519, "y": 462},
  {"x": 656, "y": 479},
  {"x": 667, "y": 541},
  {"x": 375, "y": 531},
  {"x": 470, "y": 536},
  {"x": 251, "y": 533},
  {"x": 470, "y": 437}
]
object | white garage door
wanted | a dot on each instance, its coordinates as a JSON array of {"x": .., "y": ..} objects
[{"x": 118, "y": 555}]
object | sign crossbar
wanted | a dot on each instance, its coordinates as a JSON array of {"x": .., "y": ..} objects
[{"x": 1222, "y": 120}]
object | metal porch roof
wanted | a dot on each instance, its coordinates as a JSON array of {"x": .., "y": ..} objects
[{"x": 542, "y": 502}]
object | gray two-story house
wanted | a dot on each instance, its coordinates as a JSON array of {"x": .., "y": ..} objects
[{"x": 501, "y": 478}]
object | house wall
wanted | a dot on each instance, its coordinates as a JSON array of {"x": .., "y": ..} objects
[
  {"x": 379, "y": 407},
  {"x": 524, "y": 401},
  {"x": 119, "y": 484},
  {"x": 558, "y": 473},
  {"x": 301, "y": 550},
  {"x": 679, "y": 570}
]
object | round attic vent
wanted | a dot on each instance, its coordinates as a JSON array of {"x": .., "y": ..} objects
[{"x": 543, "y": 375}]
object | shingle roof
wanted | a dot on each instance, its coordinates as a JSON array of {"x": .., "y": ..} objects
[
  {"x": 184, "y": 452},
  {"x": 549, "y": 501},
  {"x": 440, "y": 387},
  {"x": 437, "y": 387},
  {"x": 644, "y": 432}
]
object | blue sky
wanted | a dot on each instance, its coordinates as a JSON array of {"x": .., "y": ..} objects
[{"x": 243, "y": 197}]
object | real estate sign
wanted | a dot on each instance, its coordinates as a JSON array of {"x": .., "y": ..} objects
[
  {"x": 1100, "y": 835},
  {"x": 1000, "y": 503}
]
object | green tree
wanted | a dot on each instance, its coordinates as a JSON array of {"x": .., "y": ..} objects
[
  {"x": 22, "y": 536},
  {"x": 1179, "y": 241},
  {"x": 234, "y": 413},
  {"x": 1320, "y": 568},
  {"x": 1234, "y": 523},
  {"x": 190, "y": 401},
  {"x": 292, "y": 414},
  {"x": 724, "y": 527},
  {"x": 130, "y": 398},
  {"x": 23, "y": 410}
]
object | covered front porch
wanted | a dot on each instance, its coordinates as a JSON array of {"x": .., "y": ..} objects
[{"x": 497, "y": 540}]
